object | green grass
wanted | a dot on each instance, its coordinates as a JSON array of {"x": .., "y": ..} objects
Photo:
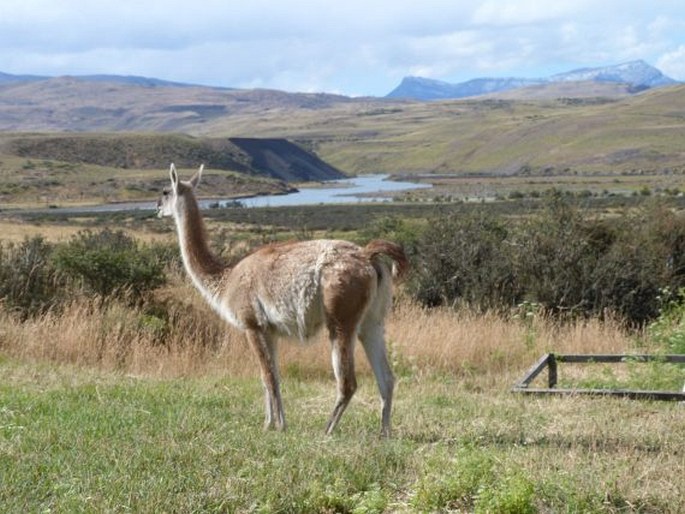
[
  {"x": 82, "y": 441},
  {"x": 639, "y": 376},
  {"x": 149, "y": 446}
]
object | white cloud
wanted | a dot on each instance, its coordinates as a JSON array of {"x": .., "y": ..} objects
[
  {"x": 353, "y": 46},
  {"x": 673, "y": 63},
  {"x": 524, "y": 12}
]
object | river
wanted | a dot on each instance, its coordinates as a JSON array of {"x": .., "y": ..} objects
[{"x": 365, "y": 188}]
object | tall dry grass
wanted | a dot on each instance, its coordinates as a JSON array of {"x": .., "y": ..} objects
[
  {"x": 190, "y": 340},
  {"x": 470, "y": 343}
]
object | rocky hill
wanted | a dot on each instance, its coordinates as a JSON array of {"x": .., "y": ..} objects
[
  {"x": 279, "y": 158},
  {"x": 419, "y": 88},
  {"x": 268, "y": 158}
]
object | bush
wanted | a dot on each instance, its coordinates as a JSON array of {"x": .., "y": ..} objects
[
  {"x": 29, "y": 284},
  {"x": 110, "y": 263},
  {"x": 454, "y": 485},
  {"x": 554, "y": 255},
  {"x": 400, "y": 230},
  {"x": 463, "y": 258},
  {"x": 668, "y": 330},
  {"x": 646, "y": 256},
  {"x": 560, "y": 258}
]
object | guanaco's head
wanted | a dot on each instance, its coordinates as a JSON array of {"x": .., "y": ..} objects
[{"x": 168, "y": 202}]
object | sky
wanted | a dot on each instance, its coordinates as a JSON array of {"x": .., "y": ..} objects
[{"x": 350, "y": 47}]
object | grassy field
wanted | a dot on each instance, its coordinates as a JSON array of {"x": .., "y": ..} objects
[
  {"x": 115, "y": 408},
  {"x": 96, "y": 414},
  {"x": 109, "y": 407}
]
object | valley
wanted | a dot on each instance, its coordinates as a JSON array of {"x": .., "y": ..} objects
[
  {"x": 70, "y": 141},
  {"x": 605, "y": 144}
]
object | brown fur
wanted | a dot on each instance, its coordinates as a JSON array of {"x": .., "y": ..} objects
[{"x": 379, "y": 247}]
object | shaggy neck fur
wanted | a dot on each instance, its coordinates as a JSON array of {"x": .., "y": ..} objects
[{"x": 201, "y": 264}]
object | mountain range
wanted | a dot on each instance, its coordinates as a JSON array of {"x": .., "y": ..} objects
[
  {"x": 582, "y": 121},
  {"x": 637, "y": 75},
  {"x": 116, "y": 103},
  {"x": 132, "y": 80}
]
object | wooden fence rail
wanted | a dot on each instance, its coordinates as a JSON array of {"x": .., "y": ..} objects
[{"x": 550, "y": 363}]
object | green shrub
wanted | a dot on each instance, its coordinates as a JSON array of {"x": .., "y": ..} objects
[
  {"x": 36, "y": 275},
  {"x": 463, "y": 258},
  {"x": 474, "y": 481},
  {"x": 569, "y": 263},
  {"x": 668, "y": 330},
  {"x": 554, "y": 254},
  {"x": 29, "y": 284},
  {"x": 647, "y": 254},
  {"x": 110, "y": 263},
  {"x": 400, "y": 230}
]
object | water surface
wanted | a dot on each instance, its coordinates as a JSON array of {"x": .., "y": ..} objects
[{"x": 366, "y": 188}]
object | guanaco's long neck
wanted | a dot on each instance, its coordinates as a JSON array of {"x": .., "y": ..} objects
[{"x": 201, "y": 264}]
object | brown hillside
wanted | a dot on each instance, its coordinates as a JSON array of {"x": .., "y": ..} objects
[
  {"x": 559, "y": 129},
  {"x": 71, "y": 104}
]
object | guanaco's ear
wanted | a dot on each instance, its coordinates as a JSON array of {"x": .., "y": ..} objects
[
  {"x": 196, "y": 178},
  {"x": 174, "y": 176}
]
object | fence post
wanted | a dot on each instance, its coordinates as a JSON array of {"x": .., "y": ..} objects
[{"x": 552, "y": 371}]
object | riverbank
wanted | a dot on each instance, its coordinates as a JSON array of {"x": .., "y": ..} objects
[{"x": 364, "y": 188}]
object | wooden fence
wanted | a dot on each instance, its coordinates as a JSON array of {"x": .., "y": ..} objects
[{"x": 550, "y": 362}]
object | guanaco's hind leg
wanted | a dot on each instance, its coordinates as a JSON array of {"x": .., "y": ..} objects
[
  {"x": 265, "y": 348},
  {"x": 342, "y": 355},
  {"x": 373, "y": 340}
]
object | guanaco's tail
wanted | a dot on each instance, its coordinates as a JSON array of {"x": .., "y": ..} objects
[{"x": 379, "y": 247}]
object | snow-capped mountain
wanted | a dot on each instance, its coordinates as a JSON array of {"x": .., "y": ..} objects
[{"x": 637, "y": 74}]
